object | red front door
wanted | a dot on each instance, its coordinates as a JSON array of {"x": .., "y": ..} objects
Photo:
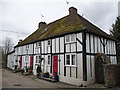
[
  {"x": 20, "y": 61},
  {"x": 31, "y": 61},
  {"x": 55, "y": 65}
]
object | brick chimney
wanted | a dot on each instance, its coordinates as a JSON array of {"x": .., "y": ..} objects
[
  {"x": 20, "y": 40},
  {"x": 72, "y": 10},
  {"x": 41, "y": 24}
]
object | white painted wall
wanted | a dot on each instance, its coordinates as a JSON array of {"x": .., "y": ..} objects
[
  {"x": 70, "y": 47},
  {"x": 109, "y": 49},
  {"x": 61, "y": 44},
  {"x": 10, "y": 60}
]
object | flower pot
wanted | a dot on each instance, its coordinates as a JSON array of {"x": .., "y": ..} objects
[
  {"x": 56, "y": 77},
  {"x": 47, "y": 76}
]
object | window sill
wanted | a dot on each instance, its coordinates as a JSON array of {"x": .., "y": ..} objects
[
  {"x": 48, "y": 65},
  {"x": 37, "y": 46},
  {"x": 70, "y": 65},
  {"x": 70, "y": 42}
]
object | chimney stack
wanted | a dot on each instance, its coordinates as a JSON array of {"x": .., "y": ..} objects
[
  {"x": 41, "y": 24},
  {"x": 72, "y": 10},
  {"x": 20, "y": 40}
]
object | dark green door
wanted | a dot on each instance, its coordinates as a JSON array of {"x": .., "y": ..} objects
[{"x": 99, "y": 70}]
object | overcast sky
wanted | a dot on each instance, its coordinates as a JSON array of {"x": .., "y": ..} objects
[{"x": 20, "y": 18}]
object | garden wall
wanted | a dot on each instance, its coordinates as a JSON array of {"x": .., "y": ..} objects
[{"x": 112, "y": 75}]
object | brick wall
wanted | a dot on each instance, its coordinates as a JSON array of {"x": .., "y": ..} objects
[{"x": 112, "y": 75}]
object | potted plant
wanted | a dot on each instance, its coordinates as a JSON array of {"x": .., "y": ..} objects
[
  {"x": 56, "y": 77},
  {"x": 30, "y": 69},
  {"x": 46, "y": 74}
]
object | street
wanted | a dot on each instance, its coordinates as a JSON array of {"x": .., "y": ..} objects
[{"x": 16, "y": 80}]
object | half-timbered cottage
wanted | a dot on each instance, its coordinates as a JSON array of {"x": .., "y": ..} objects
[{"x": 67, "y": 46}]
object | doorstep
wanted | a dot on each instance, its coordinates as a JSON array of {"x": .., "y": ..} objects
[{"x": 48, "y": 79}]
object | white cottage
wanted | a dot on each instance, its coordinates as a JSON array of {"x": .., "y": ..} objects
[
  {"x": 68, "y": 46},
  {"x": 11, "y": 60}
]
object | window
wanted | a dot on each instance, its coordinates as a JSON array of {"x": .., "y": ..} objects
[
  {"x": 67, "y": 59},
  {"x": 36, "y": 50},
  {"x": 38, "y": 44},
  {"x": 27, "y": 46},
  {"x": 70, "y": 38},
  {"x": 71, "y": 59},
  {"x": 48, "y": 60},
  {"x": 37, "y": 59},
  {"x": 48, "y": 42}
]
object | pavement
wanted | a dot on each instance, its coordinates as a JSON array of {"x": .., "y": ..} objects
[{"x": 17, "y": 80}]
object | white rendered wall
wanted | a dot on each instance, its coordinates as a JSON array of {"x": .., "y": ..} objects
[{"x": 10, "y": 61}]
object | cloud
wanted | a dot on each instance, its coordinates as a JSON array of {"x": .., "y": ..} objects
[
  {"x": 102, "y": 14},
  {"x": 23, "y": 16}
]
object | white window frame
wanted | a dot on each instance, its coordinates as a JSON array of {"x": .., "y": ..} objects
[
  {"x": 38, "y": 44},
  {"x": 38, "y": 47},
  {"x": 49, "y": 64},
  {"x": 67, "y": 37},
  {"x": 37, "y": 50},
  {"x": 70, "y": 59},
  {"x": 73, "y": 35},
  {"x": 70, "y": 38},
  {"x": 66, "y": 58},
  {"x": 37, "y": 61},
  {"x": 74, "y": 60},
  {"x": 48, "y": 43}
]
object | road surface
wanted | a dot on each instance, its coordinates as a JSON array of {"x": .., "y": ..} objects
[{"x": 16, "y": 80}]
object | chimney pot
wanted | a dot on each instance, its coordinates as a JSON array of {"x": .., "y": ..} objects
[
  {"x": 41, "y": 24},
  {"x": 20, "y": 40},
  {"x": 72, "y": 10}
]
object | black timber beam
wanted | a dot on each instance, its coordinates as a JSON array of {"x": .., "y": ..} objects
[{"x": 84, "y": 56}]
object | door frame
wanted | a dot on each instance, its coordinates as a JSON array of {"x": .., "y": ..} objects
[{"x": 53, "y": 70}]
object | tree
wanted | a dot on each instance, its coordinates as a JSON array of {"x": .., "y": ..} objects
[
  {"x": 115, "y": 32},
  {"x": 6, "y": 48}
]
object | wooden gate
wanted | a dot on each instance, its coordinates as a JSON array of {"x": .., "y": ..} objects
[
  {"x": 55, "y": 65},
  {"x": 100, "y": 60},
  {"x": 99, "y": 70}
]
